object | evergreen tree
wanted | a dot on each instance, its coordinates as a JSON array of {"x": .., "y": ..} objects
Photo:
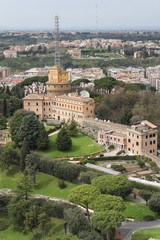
[
  {"x": 3, "y": 122},
  {"x": 29, "y": 130},
  {"x": 63, "y": 140},
  {"x": 31, "y": 164},
  {"x": 42, "y": 141},
  {"x": 72, "y": 128},
  {"x": 43, "y": 223},
  {"x": 24, "y": 186},
  {"x": 24, "y": 151},
  {"x": 4, "y": 107}
]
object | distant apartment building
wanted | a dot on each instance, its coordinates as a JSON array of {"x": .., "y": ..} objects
[
  {"x": 4, "y": 72},
  {"x": 10, "y": 54},
  {"x": 88, "y": 73},
  {"x": 75, "y": 53},
  {"x": 138, "y": 54},
  {"x": 139, "y": 138},
  {"x": 153, "y": 76}
]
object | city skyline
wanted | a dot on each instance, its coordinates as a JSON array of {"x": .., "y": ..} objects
[{"x": 115, "y": 14}]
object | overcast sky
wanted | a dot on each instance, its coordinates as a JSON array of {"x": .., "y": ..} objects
[{"x": 74, "y": 14}]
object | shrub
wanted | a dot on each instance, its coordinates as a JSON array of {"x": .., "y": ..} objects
[
  {"x": 83, "y": 160},
  {"x": 119, "y": 168},
  {"x": 61, "y": 184},
  {"x": 4, "y": 224},
  {"x": 91, "y": 161},
  {"x": 111, "y": 147},
  {"x": 120, "y": 152},
  {"x": 86, "y": 177},
  {"x": 148, "y": 218}
]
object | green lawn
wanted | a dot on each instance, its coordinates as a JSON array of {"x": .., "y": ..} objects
[
  {"x": 136, "y": 210},
  {"x": 47, "y": 184},
  {"x": 48, "y": 128},
  {"x": 146, "y": 234},
  {"x": 81, "y": 145},
  {"x": 56, "y": 228}
]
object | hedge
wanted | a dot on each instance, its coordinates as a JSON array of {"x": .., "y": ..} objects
[{"x": 127, "y": 157}]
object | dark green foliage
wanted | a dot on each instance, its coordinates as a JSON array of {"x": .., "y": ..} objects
[
  {"x": 87, "y": 177},
  {"x": 31, "y": 161},
  {"x": 8, "y": 156},
  {"x": 146, "y": 195},
  {"x": 42, "y": 140},
  {"x": 106, "y": 83},
  {"x": 79, "y": 81},
  {"x": 148, "y": 218},
  {"x": 111, "y": 147},
  {"x": 61, "y": 184},
  {"x": 17, "y": 210},
  {"x": 58, "y": 168},
  {"x": 114, "y": 185},
  {"x": 140, "y": 162},
  {"x": 154, "y": 203},
  {"x": 4, "y": 200},
  {"x": 63, "y": 140},
  {"x": 72, "y": 128},
  {"x": 15, "y": 123},
  {"x": 25, "y": 149},
  {"x": 119, "y": 168},
  {"x": 90, "y": 234},
  {"x": 127, "y": 157},
  {"x": 4, "y": 224},
  {"x": 76, "y": 220},
  {"x": 29, "y": 130},
  {"x": 24, "y": 186},
  {"x": 3, "y": 122}
]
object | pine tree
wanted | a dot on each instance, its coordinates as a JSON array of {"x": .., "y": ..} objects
[
  {"x": 42, "y": 141},
  {"x": 31, "y": 165},
  {"x": 3, "y": 122},
  {"x": 24, "y": 186},
  {"x": 25, "y": 149},
  {"x": 63, "y": 140},
  {"x": 43, "y": 223},
  {"x": 4, "y": 107},
  {"x": 72, "y": 128}
]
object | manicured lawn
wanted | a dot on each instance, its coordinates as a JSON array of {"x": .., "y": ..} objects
[
  {"x": 47, "y": 184},
  {"x": 81, "y": 145},
  {"x": 146, "y": 234},
  {"x": 48, "y": 128},
  {"x": 136, "y": 210},
  {"x": 57, "y": 228}
]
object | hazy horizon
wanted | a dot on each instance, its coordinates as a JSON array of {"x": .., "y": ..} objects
[{"x": 109, "y": 15}]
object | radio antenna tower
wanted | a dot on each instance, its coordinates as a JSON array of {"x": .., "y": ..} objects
[
  {"x": 97, "y": 17},
  {"x": 57, "y": 52}
]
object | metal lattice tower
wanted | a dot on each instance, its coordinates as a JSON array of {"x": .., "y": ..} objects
[{"x": 57, "y": 52}]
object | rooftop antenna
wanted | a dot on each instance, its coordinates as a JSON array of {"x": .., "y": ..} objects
[{"x": 57, "y": 53}]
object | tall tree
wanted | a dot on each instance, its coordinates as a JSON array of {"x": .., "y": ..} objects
[
  {"x": 31, "y": 164},
  {"x": 84, "y": 195},
  {"x": 107, "y": 221},
  {"x": 24, "y": 186},
  {"x": 42, "y": 140},
  {"x": 3, "y": 122},
  {"x": 63, "y": 140},
  {"x": 25, "y": 149},
  {"x": 43, "y": 223},
  {"x": 29, "y": 223},
  {"x": 72, "y": 128},
  {"x": 8, "y": 156},
  {"x": 29, "y": 130}
]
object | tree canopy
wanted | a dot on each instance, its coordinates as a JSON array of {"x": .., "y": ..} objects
[
  {"x": 114, "y": 185},
  {"x": 63, "y": 140}
]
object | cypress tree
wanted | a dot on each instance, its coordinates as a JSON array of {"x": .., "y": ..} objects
[
  {"x": 72, "y": 128},
  {"x": 42, "y": 141},
  {"x": 24, "y": 151},
  {"x": 63, "y": 140}
]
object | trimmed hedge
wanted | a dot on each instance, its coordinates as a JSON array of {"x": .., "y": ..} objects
[
  {"x": 127, "y": 157},
  {"x": 58, "y": 168}
]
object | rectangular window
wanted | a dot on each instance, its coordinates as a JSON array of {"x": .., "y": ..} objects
[
  {"x": 129, "y": 149},
  {"x": 150, "y": 142},
  {"x": 36, "y": 103},
  {"x": 145, "y": 143},
  {"x": 154, "y": 142},
  {"x": 132, "y": 135},
  {"x": 146, "y": 136},
  {"x": 137, "y": 137},
  {"x": 154, "y": 135},
  {"x": 137, "y": 143},
  {"x": 28, "y": 103},
  {"x": 150, "y": 135},
  {"x": 37, "y": 109},
  {"x": 129, "y": 140},
  {"x": 150, "y": 151}
]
